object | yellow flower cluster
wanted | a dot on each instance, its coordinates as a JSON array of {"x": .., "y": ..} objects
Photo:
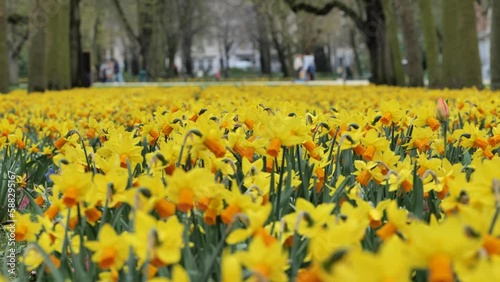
[{"x": 257, "y": 183}]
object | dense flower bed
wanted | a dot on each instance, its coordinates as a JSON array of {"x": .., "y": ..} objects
[{"x": 260, "y": 183}]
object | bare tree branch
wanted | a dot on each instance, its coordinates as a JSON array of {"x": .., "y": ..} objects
[
  {"x": 126, "y": 23},
  {"x": 16, "y": 50},
  {"x": 327, "y": 8}
]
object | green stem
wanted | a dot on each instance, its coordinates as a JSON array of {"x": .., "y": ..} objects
[
  {"x": 493, "y": 222},
  {"x": 445, "y": 133},
  {"x": 188, "y": 134},
  {"x": 212, "y": 260},
  {"x": 280, "y": 185},
  {"x": 85, "y": 152}
]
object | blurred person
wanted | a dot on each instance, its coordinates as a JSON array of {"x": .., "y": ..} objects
[
  {"x": 103, "y": 72},
  {"x": 200, "y": 73},
  {"x": 298, "y": 65},
  {"x": 117, "y": 71},
  {"x": 309, "y": 65},
  {"x": 176, "y": 71},
  {"x": 109, "y": 70},
  {"x": 217, "y": 75},
  {"x": 348, "y": 73}
]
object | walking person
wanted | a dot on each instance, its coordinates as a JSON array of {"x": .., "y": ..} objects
[
  {"x": 103, "y": 72},
  {"x": 309, "y": 66},
  {"x": 109, "y": 69},
  {"x": 298, "y": 66},
  {"x": 117, "y": 71}
]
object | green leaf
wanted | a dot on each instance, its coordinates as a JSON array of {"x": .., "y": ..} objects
[{"x": 418, "y": 193}]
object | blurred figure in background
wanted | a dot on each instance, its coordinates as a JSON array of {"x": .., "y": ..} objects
[
  {"x": 103, "y": 72},
  {"x": 117, "y": 71},
  {"x": 298, "y": 66},
  {"x": 309, "y": 65}
]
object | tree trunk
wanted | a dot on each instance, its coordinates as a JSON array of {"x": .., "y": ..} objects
[
  {"x": 451, "y": 49},
  {"x": 64, "y": 68},
  {"x": 371, "y": 25},
  {"x": 374, "y": 31},
  {"x": 320, "y": 59},
  {"x": 77, "y": 70},
  {"x": 470, "y": 62},
  {"x": 287, "y": 39},
  {"x": 265, "y": 54},
  {"x": 359, "y": 66},
  {"x": 380, "y": 66},
  {"x": 37, "y": 63},
  {"x": 186, "y": 26},
  {"x": 156, "y": 56},
  {"x": 281, "y": 54},
  {"x": 52, "y": 52},
  {"x": 263, "y": 42},
  {"x": 495, "y": 46},
  {"x": 171, "y": 51},
  {"x": 431, "y": 43},
  {"x": 58, "y": 50},
  {"x": 4, "y": 52},
  {"x": 146, "y": 32},
  {"x": 388, "y": 63},
  {"x": 279, "y": 46},
  {"x": 392, "y": 34},
  {"x": 187, "y": 59},
  {"x": 373, "y": 47},
  {"x": 172, "y": 36},
  {"x": 415, "y": 71},
  {"x": 13, "y": 70},
  {"x": 96, "y": 54},
  {"x": 227, "y": 48}
]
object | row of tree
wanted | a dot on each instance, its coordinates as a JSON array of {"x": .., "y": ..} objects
[
  {"x": 164, "y": 28},
  {"x": 55, "y": 53},
  {"x": 377, "y": 21},
  {"x": 153, "y": 32}
]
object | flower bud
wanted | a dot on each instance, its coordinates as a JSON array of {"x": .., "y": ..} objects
[{"x": 442, "y": 111}]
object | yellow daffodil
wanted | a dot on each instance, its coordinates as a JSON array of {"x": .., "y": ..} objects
[{"x": 110, "y": 251}]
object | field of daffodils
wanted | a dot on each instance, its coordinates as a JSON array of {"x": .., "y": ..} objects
[{"x": 250, "y": 183}]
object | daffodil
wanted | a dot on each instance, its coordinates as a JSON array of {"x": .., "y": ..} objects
[
  {"x": 470, "y": 136},
  {"x": 364, "y": 208},
  {"x": 485, "y": 270},
  {"x": 421, "y": 139},
  {"x": 239, "y": 143},
  {"x": 184, "y": 188},
  {"x": 366, "y": 266},
  {"x": 439, "y": 247},
  {"x": 111, "y": 186},
  {"x": 265, "y": 262},
  {"x": 110, "y": 250},
  {"x": 366, "y": 171},
  {"x": 391, "y": 112},
  {"x": 73, "y": 183},
  {"x": 284, "y": 131},
  {"x": 25, "y": 229},
  {"x": 427, "y": 116},
  {"x": 231, "y": 268},
  {"x": 255, "y": 220},
  {"x": 17, "y": 139},
  {"x": 32, "y": 256},
  {"x": 339, "y": 237},
  {"x": 210, "y": 136},
  {"x": 485, "y": 183},
  {"x": 397, "y": 221},
  {"x": 124, "y": 145},
  {"x": 179, "y": 274},
  {"x": 374, "y": 144},
  {"x": 160, "y": 242}
]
